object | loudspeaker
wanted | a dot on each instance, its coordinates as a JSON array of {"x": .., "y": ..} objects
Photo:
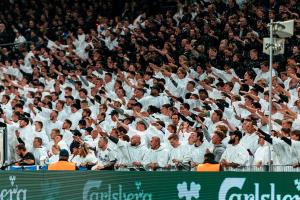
[
  {"x": 284, "y": 29},
  {"x": 278, "y": 46}
]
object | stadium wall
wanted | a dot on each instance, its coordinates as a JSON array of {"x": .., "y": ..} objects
[{"x": 144, "y": 185}]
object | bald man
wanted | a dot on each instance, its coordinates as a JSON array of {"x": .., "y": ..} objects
[
  {"x": 132, "y": 152},
  {"x": 156, "y": 157}
]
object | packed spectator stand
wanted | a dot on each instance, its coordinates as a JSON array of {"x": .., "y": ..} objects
[{"x": 144, "y": 87}]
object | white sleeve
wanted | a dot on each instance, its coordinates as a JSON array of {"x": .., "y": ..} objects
[
  {"x": 146, "y": 159},
  {"x": 266, "y": 156},
  {"x": 222, "y": 74},
  {"x": 121, "y": 143},
  {"x": 256, "y": 70},
  {"x": 242, "y": 157},
  {"x": 163, "y": 158},
  {"x": 45, "y": 112},
  {"x": 91, "y": 158},
  {"x": 295, "y": 144},
  {"x": 26, "y": 68},
  {"x": 44, "y": 153},
  {"x": 111, "y": 156},
  {"x": 224, "y": 155}
]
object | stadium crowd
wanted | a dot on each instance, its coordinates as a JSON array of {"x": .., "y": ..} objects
[{"x": 146, "y": 90}]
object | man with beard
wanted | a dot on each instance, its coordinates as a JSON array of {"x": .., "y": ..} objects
[
  {"x": 155, "y": 98},
  {"x": 27, "y": 158},
  {"x": 132, "y": 152},
  {"x": 25, "y": 133},
  {"x": 53, "y": 122},
  {"x": 235, "y": 154}
]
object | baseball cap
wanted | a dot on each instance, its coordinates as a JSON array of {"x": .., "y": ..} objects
[
  {"x": 76, "y": 133},
  {"x": 113, "y": 112},
  {"x": 77, "y": 106},
  {"x": 75, "y": 144},
  {"x": 89, "y": 129},
  {"x": 237, "y": 133},
  {"x": 64, "y": 153},
  {"x": 25, "y": 119},
  {"x": 118, "y": 100}
]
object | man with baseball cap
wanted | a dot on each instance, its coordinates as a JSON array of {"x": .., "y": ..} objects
[
  {"x": 235, "y": 154},
  {"x": 63, "y": 163}
]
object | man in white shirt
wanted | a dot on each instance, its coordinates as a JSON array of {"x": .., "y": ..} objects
[
  {"x": 6, "y": 106},
  {"x": 40, "y": 132},
  {"x": 110, "y": 122},
  {"x": 53, "y": 122},
  {"x": 195, "y": 156},
  {"x": 75, "y": 115},
  {"x": 281, "y": 151},
  {"x": 105, "y": 156},
  {"x": 109, "y": 82},
  {"x": 235, "y": 154},
  {"x": 132, "y": 152},
  {"x": 40, "y": 152},
  {"x": 156, "y": 157},
  {"x": 215, "y": 120},
  {"x": 262, "y": 155},
  {"x": 177, "y": 152},
  {"x": 250, "y": 139},
  {"x": 92, "y": 139},
  {"x": 25, "y": 133},
  {"x": 263, "y": 72},
  {"x": 294, "y": 143},
  {"x": 66, "y": 132},
  {"x": 57, "y": 138},
  {"x": 62, "y": 114}
]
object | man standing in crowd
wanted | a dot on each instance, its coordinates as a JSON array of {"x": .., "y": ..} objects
[
  {"x": 235, "y": 154},
  {"x": 156, "y": 157},
  {"x": 105, "y": 156},
  {"x": 26, "y": 158}
]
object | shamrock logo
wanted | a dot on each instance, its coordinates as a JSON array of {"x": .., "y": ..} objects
[
  {"x": 188, "y": 194},
  {"x": 12, "y": 180},
  {"x": 297, "y": 184}
]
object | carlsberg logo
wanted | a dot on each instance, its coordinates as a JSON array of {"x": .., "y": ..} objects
[
  {"x": 14, "y": 193},
  {"x": 230, "y": 183},
  {"x": 91, "y": 192}
]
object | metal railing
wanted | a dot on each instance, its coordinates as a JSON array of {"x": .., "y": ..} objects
[
  {"x": 16, "y": 43},
  {"x": 264, "y": 168}
]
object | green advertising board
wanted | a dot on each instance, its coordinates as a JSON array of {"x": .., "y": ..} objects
[{"x": 91, "y": 185}]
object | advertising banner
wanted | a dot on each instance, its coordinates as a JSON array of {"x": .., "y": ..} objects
[{"x": 145, "y": 186}]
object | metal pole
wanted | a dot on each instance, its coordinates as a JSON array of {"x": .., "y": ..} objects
[{"x": 270, "y": 86}]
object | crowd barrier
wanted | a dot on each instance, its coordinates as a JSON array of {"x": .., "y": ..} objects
[
  {"x": 264, "y": 168},
  {"x": 116, "y": 185},
  {"x": 35, "y": 168}
]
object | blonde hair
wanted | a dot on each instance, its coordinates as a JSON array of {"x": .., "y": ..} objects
[{"x": 84, "y": 150}]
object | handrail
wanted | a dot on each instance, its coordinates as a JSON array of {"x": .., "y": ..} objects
[
  {"x": 14, "y": 43},
  {"x": 264, "y": 168},
  {"x": 252, "y": 168}
]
